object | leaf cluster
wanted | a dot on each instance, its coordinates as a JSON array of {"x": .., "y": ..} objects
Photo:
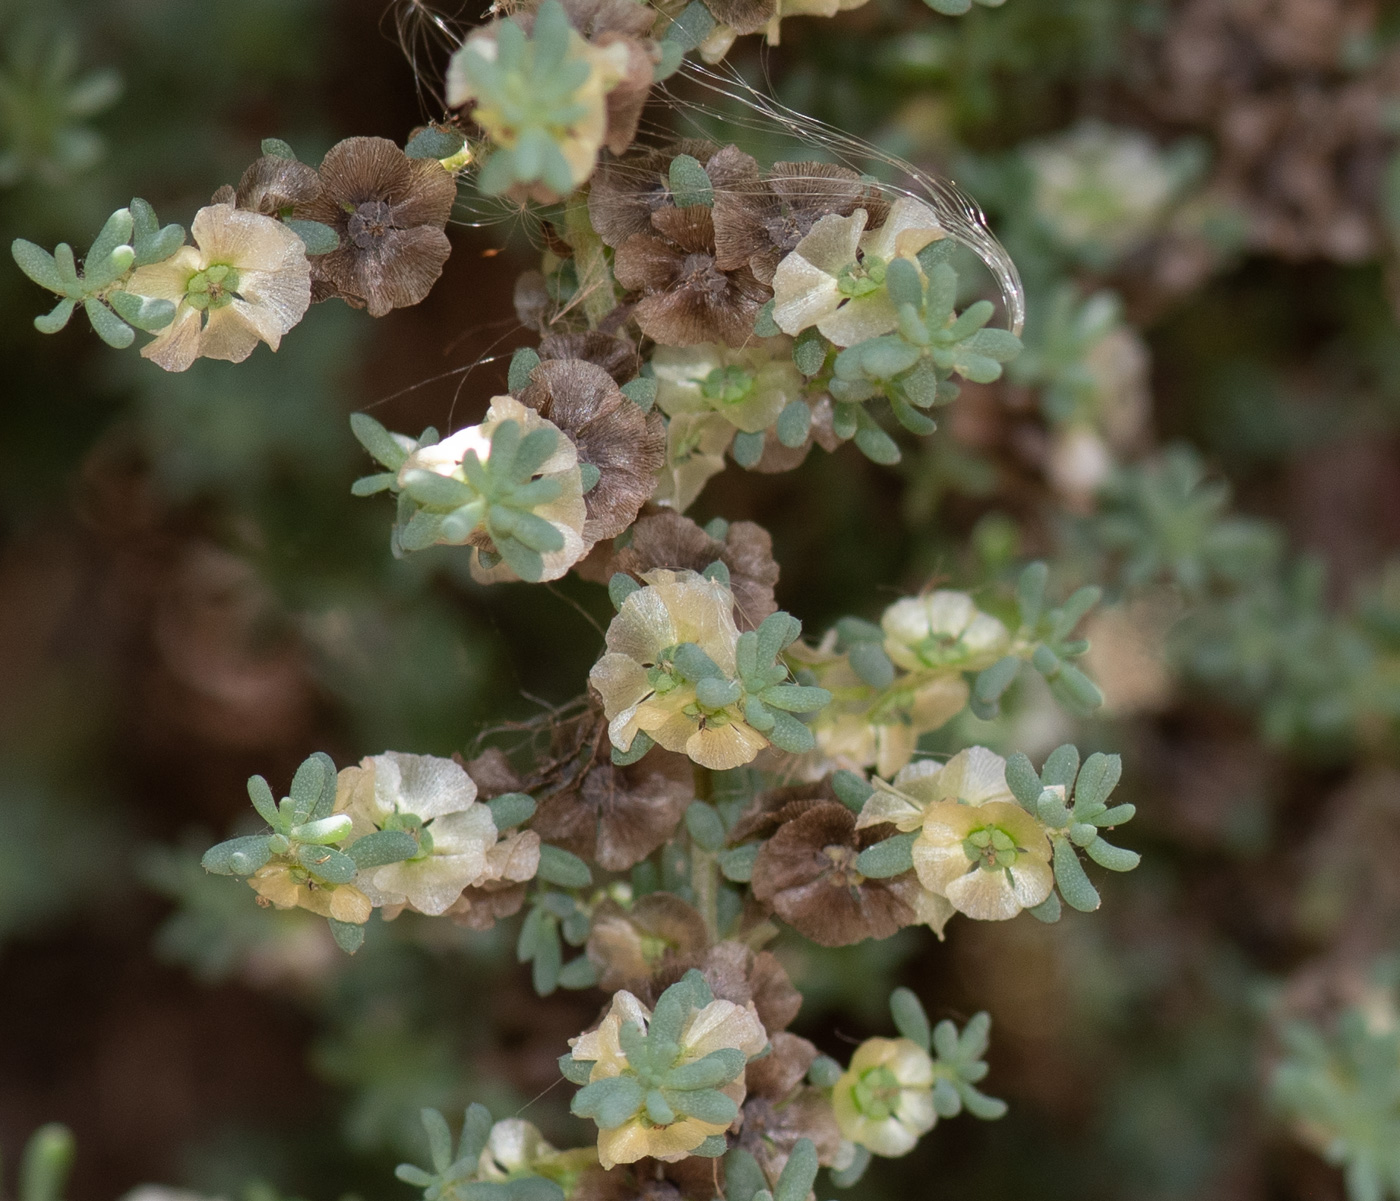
[
  {"x": 130, "y": 238},
  {"x": 912, "y": 366},
  {"x": 659, "y": 1082},
  {"x": 1346, "y": 1087},
  {"x": 744, "y": 1179},
  {"x": 531, "y": 86},
  {"x": 958, "y": 1057},
  {"x": 46, "y": 100},
  {"x": 1164, "y": 520},
  {"x": 454, "y": 1171},
  {"x": 556, "y": 918},
  {"x": 1046, "y": 638},
  {"x": 497, "y": 497},
  {"x": 306, "y": 834},
  {"x": 1072, "y": 803}
]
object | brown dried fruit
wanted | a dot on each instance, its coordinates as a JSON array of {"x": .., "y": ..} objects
[
  {"x": 389, "y": 211},
  {"x": 626, "y": 445},
  {"x": 807, "y": 873}
]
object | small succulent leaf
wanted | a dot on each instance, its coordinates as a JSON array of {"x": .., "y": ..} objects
[
  {"x": 620, "y": 587},
  {"x": 641, "y": 392},
  {"x": 705, "y": 826},
  {"x": 947, "y": 1102},
  {"x": 1115, "y": 859},
  {"x": 323, "y": 831},
  {"x": 522, "y": 363},
  {"x": 580, "y": 972},
  {"x": 332, "y": 866},
  {"x": 979, "y": 1105},
  {"x": 641, "y": 744},
  {"x": 737, "y": 864},
  {"x": 690, "y": 185},
  {"x": 789, "y": 734},
  {"x": 108, "y": 326},
  {"x": 371, "y": 485},
  {"x": 716, "y": 1069},
  {"x": 38, "y": 264},
  {"x": 564, "y": 868},
  {"x": 435, "y": 142},
  {"x": 316, "y": 236},
  {"x": 945, "y": 1042},
  {"x": 909, "y": 1017},
  {"x": 742, "y": 1176},
  {"x": 1060, "y": 767},
  {"x": 511, "y": 809},
  {"x": 893, "y": 857},
  {"x": 793, "y": 424},
  {"x": 704, "y": 1104},
  {"x": 238, "y": 856},
  {"x": 57, "y": 317},
  {"x": 115, "y": 232},
  {"x": 439, "y": 1139},
  {"x": 796, "y": 698},
  {"x": 694, "y": 24},
  {"x": 609, "y": 1102},
  {"x": 576, "y": 1071},
  {"x": 851, "y": 1175},
  {"x": 263, "y": 801},
  {"x": 381, "y": 847},
  {"x": 434, "y": 491},
  {"x": 1069, "y": 875},
  {"x": 377, "y": 440},
  {"x": 874, "y": 443},
  {"x": 144, "y": 312},
  {"x": 800, "y": 1173},
  {"x": 1030, "y": 592},
  {"x": 1024, "y": 781},
  {"x": 809, "y": 353},
  {"x": 851, "y": 789},
  {"x": 548, "y": 960}
]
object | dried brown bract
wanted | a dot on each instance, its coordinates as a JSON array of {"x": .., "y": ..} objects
[
  {"x": 626, "y": 445},
  {"x": 781, "y": 1109},
  {"x": 687, "y": 298},
  {"x": 807, "y": 873},
  {"x": 755, "y": 226},
  {"x": 626, "y": 191},
  {"x": 629, "y": 946},
  {"x": 615, "y": 816},
  {"x": 617, "y": 356},
  {"x": 744, "y": 16},
  {"x": 692, "y": 1179},
  {"x": 735, "y": 972},
  {"x": 273, "y": 186},
  {"x": 771, "y": 1130},
  {"x": 482, "y": 906},
  {"x": 389, "y": 211},
  {"x": 775, "y": 807},
  {"x": 672, "y": 541}
]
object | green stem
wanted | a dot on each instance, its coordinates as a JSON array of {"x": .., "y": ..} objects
[
  {"x": 704, "y": 866},
  {"x": 704, "y": 880},
  {"x": 597, "y": 292}
]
